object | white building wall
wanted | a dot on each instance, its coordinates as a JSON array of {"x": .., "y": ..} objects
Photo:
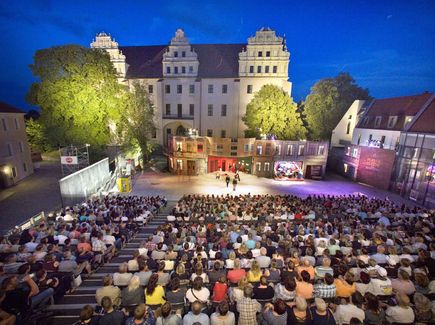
[{"x": 340, "y": 136}]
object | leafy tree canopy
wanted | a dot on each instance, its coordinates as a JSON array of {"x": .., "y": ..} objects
[
  {"x": 78, "y": 95},
  {"x": 273, "y": 112},
  {"x": 328, "y": 101}
]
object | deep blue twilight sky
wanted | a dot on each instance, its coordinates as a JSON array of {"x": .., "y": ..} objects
[{"x": 387, "y": 46}]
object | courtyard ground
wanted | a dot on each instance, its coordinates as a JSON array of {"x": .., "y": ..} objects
[{"x": 173, "y": 187}]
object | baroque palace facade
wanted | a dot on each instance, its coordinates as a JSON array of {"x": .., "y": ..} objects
[{"x": 205, "y": 87}]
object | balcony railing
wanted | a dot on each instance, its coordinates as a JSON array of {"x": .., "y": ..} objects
[{"x": 178, "y": 117}]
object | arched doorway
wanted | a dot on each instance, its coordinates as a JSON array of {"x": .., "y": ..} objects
[
  {"x": 180, "y": 130},
  {"x": 175, "y": 128}
]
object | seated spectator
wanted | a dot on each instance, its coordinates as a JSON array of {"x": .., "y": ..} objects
[
  {"x": 133, "y": 294},
  {"x": 111, "y": 316},
  {"x": 325, "y": 289},
  {"x": 248, "y": 308},
  {"x": 223, "y": 315},
  {"x": 374, "y": 314},
  {"x": 273, "y": 274},
  {"x": 198, "y": 292},
  {"x": 154, "y": 293},
  {"x": 321, "y": 270},
  {"x": 236, "y": 273},
  {"x": 166, "y": 317},
  {"x": 345, "y": 312},
  {"x": 320, "y": 313},
  {"x": 263, "y": 260},
  {"x": 423, "y": 309},
  {"x": 164, "y": 277},
  {"x": 363, "y": 285},
  {"x": 122, "y": 277},
  {"x": 216, "y": 273},
  {"x": 142, "y": 316},
  {"x": 109, "y": 290},
  {"x": 380, "y": 285},
  {"x": 344, "y": 284},
  {"x": 297, "y": 312},
  {"x": 195, "y": 316},
  {"x": 306, "y": 266},
  {"x": 175, "y": 294},
  {"x": 380, "y": 256},
  {"x": 229, "y": 263},
  {"x": 402, "y": 313},
  {"x": 199, "y": 272},
  {"x": 304, "y": 288},
  {"x": 237, "y": 293},
  {"x": 422, "y": 283},
  {"x": 286, "y": 290},
  {"x": 87, "y": 316},
  {"x": 220, "y": 290},
  {"x": 254, "y": 274},
  {"x": 403, "y": 284},
  {"x": 133, "y": 265},
  {"x": 144, "y": 273},
  {"x": 264, "y": 291},
  {"x": 181, "y": 273},
  {"x": 276, "y": 313}
]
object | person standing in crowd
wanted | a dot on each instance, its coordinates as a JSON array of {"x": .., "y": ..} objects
[
  {"x": 227, "y": 180},
  {"x": 248, "y": 308},
  {"x": 234, "y": 184}
]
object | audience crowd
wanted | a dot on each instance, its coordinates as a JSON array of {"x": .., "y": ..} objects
[{"x": 246, "y": 259}]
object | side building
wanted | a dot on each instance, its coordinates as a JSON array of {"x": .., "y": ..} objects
[
  {"x": 282, "y": 160},
  {"x": 205, "y": 87},
  {"x": 15, "y": 156}
]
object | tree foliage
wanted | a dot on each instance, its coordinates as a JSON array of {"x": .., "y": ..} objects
[
  {"x": 78, "y": 95},
  {"x": 328, "y": 101},
  {"x": 273, "y": 112},
  {"x": 138, "y": 125},
  {"x": 36, "y": 135}
]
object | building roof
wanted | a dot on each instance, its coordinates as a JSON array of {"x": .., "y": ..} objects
[
  {"x": 6, "y": 108},
  {"x": 424, "y": 122},
  {"x": 397, "y": 106},
  {"x": 215, "y": 60}
]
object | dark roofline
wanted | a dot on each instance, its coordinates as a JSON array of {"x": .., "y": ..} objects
[
  {"x": 6, "y": 108},
  {"x": 420, "y": 112}
]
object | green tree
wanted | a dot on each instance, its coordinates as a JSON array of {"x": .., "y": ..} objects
[
  {"x": 272, "y": 111},
  {"x": 328, "y": 101},
  {"x": 138, "y": 124},
  {"x": 78, "y": 94},
  {"x": 36, "y": 135}
]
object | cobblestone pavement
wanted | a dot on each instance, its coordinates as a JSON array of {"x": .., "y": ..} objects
[
  {"x": 36, "y": 193},
  {"x": 173, "y": 186}
]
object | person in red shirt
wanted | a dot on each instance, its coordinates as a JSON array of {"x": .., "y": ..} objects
[
  {"x": 220, "y": 289},
  {"x": 236, "y": 273},
  {"x": 298, "y": 216}
]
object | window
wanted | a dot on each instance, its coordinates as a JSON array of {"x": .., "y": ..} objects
[
  {"x": 183, "y": 69},
  {"x": 258, "y": 166},
  {"x": 9, "y": 150},
  {"x": 223, "y": 133},
  {"x": 200, "y": 147},
  {"x": 266, "y": 166},
  {"x": 168, "y": 69},
  {"x": 249, "y": 89},
  {"x": 392, "y": 120},
  {"x": 234, "y": 148},
  {"x": 224, "y": 89},
  {"x": 14, "y": 172},
  {"x": 266, "y": 69},
  {"x": 150, "y": 89},
  {"x": 259, "y": 150},
  {"x": 179, "y": 89},
  {"x": 168, "y": 89},
  {"x": 175, "y": 70},
  {"x": 350, "y": 117},
  {"x": 366, "y": 121},
  {"x": 301, "y": 150},
  {"x": 278, "y": 149},
  {"x": 25, "y": 167},
  {"x": 251, "y": 69},
  {"x": 259, "y": 69},
  {"x": 183, "y": 54},
  {"x": 5, "y": 127},
  {"x": 210, "y": 110},
  {"x": 179, "y": 146},
  {"x": 210, "y": 89},
  {"x": 267, "y": 149},
  {"x": 354, "y": 152},
  {"x": 191, "y": 109},
  {"x": 247, "y": 148},
  {"x": 321, "y": 150},
  {"x": 378, "y": 121},
  {"x": 289, "y": 150},
  {"x": 275, "y": 69},
  {"x": 267, "y": 53},
  {"x": 20, "y": 144},
  {"x": 176, "y": 54},
  {"x": 191, "y": 89},
  {"x": 408, "y": 120},
  {"x": 209, "y": 132},
  {"x": 168, "y": 109},
  {"x": 17, "y": 125},
  {"x": 260, "y": 53},
  {"x": 179, "y": 110},
  {"x": 233, "y": 153},
  {"x": 348, "y": 128},
  {"x": 224, "y": 110}
]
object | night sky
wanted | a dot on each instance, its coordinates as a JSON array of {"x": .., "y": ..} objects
[{"x": 387, "y": 46}]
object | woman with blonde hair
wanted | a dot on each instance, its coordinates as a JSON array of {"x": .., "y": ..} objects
[
  {"x": 133, "y": 294},
  {"x": 199, "y": 272},
  {"x": 255, "y": 273},
  {"x": 236, "y": 293},
  {"x": 229, "y": 263}
]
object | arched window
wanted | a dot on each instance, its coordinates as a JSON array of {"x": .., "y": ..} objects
[{"x": 180, "y": 130}]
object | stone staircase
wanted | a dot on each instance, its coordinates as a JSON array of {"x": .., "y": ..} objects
[{"x": 67, "y": 311}]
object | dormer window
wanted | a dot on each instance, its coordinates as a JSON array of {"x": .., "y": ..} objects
[
  {"x": 378, "y": 121},
  {"x": 392, "y": 120},
  {"x": 408, "y": 119}
]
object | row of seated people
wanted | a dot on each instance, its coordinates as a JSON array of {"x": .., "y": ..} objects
[{"x": 42, "y": 263}]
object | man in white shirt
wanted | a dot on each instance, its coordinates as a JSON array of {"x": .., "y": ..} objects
[
  {"x": 401, "y": 313},
  {"x": 380, "y": 286},
  {"x": 344, "y": 313}
]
